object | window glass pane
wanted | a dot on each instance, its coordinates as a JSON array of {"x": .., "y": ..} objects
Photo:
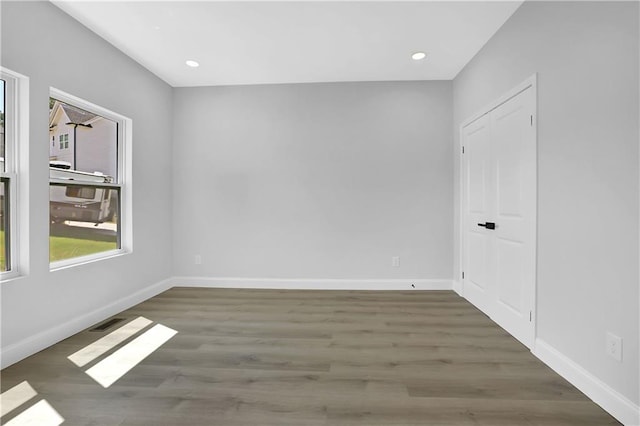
[
  {"x": 4, "y": 225},
  {"x": 2, "y": 110},
  {"x": 87, "y": 142},
  {"x": 84, "y": 220},
  {"x": 86, "y": 192}
]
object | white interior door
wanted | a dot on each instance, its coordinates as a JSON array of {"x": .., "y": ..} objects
[
  {"x": 499, "y": 263},
  {"x": 478, "y": 209},
  {"x": 514, "y": 142}
]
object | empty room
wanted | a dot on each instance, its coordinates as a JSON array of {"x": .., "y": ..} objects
[{"x": 319, "y": 213}]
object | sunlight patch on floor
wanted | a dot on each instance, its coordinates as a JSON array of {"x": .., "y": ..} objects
[
  {"x": 15, "y": 397},
  {"x": 116, "y": 365},
  {"x": 40, "y": 413},
  {"x": 111, "y": 340}
]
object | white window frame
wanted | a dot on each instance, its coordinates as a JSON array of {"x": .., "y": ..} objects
[
  {"x": 16, "y": 135},
  {"x": 122, "y": 180}
]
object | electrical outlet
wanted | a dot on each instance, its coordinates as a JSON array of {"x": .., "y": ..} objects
[
  {"x": 614, "y": 346},
  {"x": 395, "y": 261},
  {"x": 198, "y": 259}
]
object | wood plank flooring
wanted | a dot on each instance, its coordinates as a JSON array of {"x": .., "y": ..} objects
[{"x": 285, "y": 357}]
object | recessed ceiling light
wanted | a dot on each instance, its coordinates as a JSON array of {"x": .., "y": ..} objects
[
  {"x": 192, "y": 64},
  {"x": 418, "y": 55}
]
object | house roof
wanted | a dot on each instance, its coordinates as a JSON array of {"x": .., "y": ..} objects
[{"x": 77, "y": 115}]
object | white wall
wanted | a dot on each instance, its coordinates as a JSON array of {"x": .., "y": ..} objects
[
  {"x": 586, "y": 57},
  {"x": 314, "y": 180},
  {"x": 93, "y": 70}
]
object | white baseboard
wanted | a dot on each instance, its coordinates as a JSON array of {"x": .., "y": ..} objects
[
  {"x": 457, "y": 287},
  {"x": 602, "y": 394},
  {"x": 37, "y": 342},
  {"x": 313, "y": 284}
]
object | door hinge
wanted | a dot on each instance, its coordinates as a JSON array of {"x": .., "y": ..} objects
[
  {"x": 532, "y": 120},
  {"x": 463, "y": 275},
  {"x": 530, "y": 316},
  {"x": 463, "y": 149}
]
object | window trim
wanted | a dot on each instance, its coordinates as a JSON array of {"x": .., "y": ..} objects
[
  {"x": 122, "y": 180},
  {"x": 16, "y": 132}
]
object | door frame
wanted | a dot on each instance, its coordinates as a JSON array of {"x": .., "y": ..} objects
[{"x": 531, "y": 82}]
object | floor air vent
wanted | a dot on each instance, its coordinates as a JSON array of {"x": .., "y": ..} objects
[{"x": 107, "y": 324}]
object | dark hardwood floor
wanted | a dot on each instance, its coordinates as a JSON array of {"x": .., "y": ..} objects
[{"x": 276, "y": 357}]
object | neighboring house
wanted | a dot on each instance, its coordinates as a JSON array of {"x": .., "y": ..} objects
[{"x": 85, "y": 140}]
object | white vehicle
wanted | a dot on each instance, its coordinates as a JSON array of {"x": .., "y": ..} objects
[{"x": 77, "y": 202}]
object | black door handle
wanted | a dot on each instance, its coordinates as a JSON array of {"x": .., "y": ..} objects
[{"x": 488, "y": 225}]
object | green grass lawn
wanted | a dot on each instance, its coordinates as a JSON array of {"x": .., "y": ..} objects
[
  {"x": 67, "y": 242},
  {"x": 61, "y": 248},
  {"x": 2, "y": 252}
]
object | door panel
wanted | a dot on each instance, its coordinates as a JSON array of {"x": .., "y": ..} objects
[
  {"x": 507, "y": 136},
  {"x": 510, "y": 277},
  {"x": 478, "y": 167},
  {"x": 513, "y": 136},
  {"x": 477, "y": 267}
]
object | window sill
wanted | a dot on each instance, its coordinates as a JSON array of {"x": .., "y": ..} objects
[
  {"x": 10, "y": 277},
  {"x": 84, "y": 260}
]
